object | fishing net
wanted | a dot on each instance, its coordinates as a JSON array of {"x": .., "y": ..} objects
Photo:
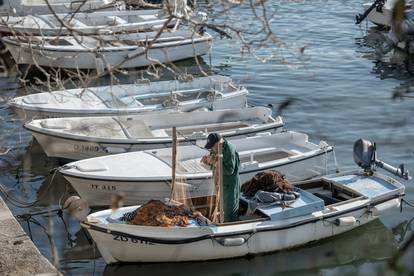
[
  {"x": 268, "y": 181},
  {"x": 268, "y": 188},
  {"x": 192, "y": 200},
  {"x": 165, "y": 214},
  {"x": 199, "y": 194}
]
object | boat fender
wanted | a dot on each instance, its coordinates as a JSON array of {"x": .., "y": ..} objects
[
  {"x": 380, "y": 208},
  {"x": 233, "y": 241},
  {"x": 115, "y": 150},
  {"x": 346, "y": 221}
]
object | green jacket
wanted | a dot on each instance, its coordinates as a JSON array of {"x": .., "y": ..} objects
[{"x": 231, "y": 182}]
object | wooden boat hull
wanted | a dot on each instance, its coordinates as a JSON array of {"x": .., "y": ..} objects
[
  {"x": 259, "y": 237},
  {"x": 24, "y": 7},
  {"x": 93, "y": 101},
  {"x": 75, "y": 138},
  {"x": 72, "y": 149},
  {"x": 135, "y": 57},
  {"x": 238, "y": 100},
  {"x": 374, "y": 240},
  {"x": 98, "y": 192},
  {"x": 46, "y": 25}
]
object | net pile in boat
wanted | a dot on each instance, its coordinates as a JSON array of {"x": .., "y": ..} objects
[
  {"x": 158, "y": 213},
  {"x": 268, "y": 181}
]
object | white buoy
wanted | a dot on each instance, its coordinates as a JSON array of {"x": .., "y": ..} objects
[
  {"x": 77, "y": 207},
  {"x": 346, "y": 221},
  {"x": 233, "y": 241}
]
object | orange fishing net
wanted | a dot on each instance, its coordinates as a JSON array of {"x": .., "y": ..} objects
[{"x": 157, "y": 213}]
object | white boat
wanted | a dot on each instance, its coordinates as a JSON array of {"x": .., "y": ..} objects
[
  {"x": 108, "y": 51},
  {"x": 381, "y": 15},
  {"x": 375, "y": 241},
  {"x": 105, "y": 22},
  {"x": 146, "y": 175},
  {"x": 25, "y": 7},
  {"x": 213, "y": 92},
  {"x": 327, "y": 206},
  {"x": 79, "y": 138}
]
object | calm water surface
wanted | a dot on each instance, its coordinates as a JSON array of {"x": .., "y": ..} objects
[{"x": 338, "y": 92}]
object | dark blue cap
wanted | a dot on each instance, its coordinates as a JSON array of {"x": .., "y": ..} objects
[{"x": 212, "y": 139}]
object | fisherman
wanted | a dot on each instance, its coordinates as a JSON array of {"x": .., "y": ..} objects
[{"x": 230, "y": 171}]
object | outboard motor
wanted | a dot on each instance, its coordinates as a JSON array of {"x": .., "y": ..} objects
[
  {"x": 378, "y": 5},
  {"x": 365, "y": 156}
]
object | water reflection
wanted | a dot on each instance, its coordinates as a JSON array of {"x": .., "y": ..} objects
[
  {"x": 402, "y": 230},
  {"x": 404, "y": 91},
  {"x": 69, "y": 79},
  {"x": 397, "y": 64}
]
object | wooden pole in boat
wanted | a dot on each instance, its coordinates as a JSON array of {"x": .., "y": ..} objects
[
  {"x": 220, "y": 179},
  {"x": 174, "y": 162},
  {"x": 218, "y": 211}
]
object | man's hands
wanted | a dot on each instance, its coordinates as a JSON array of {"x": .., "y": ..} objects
[{"x": 209, "y": 160}]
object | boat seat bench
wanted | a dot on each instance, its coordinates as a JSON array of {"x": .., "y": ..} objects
[
  {"x": 307, "y": 203},
  {"x": 264, "y": 155}
]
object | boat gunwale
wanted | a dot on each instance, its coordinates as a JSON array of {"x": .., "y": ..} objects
[
  {"x": 82, "y": 15},
  {"x": 145, "y": 26},
  {"x": 146, "y": 141},
  {"x": 224, "y": 96},
  {"x": 120, "y": 111},
  {"x": 18, "y": 102},
  {"x": 199, "y": 176},
  {"x": 88, "y": 15},
  {"x": 213, "y": 79},
  {"x": 78, "y": 49}
]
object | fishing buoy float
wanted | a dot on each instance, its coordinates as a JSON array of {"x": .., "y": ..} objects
[
  {"x": 346, "y": 221},
  {"x": 233, "y": 241},
  {"x": 77, "y": 207}
]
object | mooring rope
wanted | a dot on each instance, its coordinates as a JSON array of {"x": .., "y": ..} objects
[
  {"x": 186, "y": 139},
  {"x": 21, "y": 204},
  {"x": 49, "y": 236},
  {"x": 29, "y": 218},
  {"x": 403, "y": 200},
  {"x": 335, "y": 161}
]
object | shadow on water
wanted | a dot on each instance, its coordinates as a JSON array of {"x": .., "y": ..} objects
[{"x": 396, "y": 65}]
